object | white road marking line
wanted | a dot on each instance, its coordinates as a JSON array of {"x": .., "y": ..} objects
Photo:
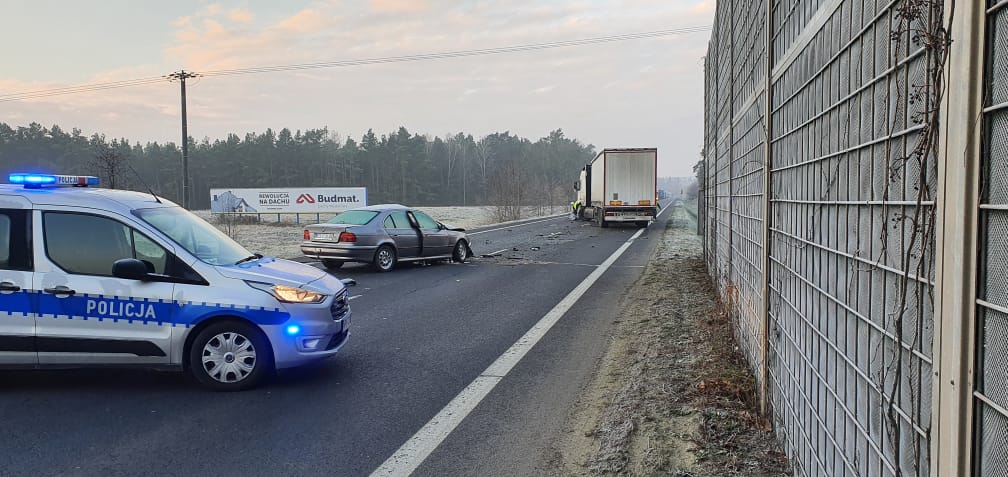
[
  {"x": 355, "y": 296},
  {"x": 516, "y": 225},
  {"x": 411, "y": 454},
  {"x": 499, "y": 251},
  {"x": 667, "y": 207}
]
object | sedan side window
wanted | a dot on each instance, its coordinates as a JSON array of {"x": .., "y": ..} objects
[
  {"x": 424, "y": 220},
  {"x": 389, "y": 223},
  {"x": 401, "y": 220}
]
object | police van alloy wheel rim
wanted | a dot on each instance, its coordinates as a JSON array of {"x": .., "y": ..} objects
[{"x": 229, "y": 357}]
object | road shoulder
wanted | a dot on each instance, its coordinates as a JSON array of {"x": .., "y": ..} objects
[{"x": 671, "y": 394}]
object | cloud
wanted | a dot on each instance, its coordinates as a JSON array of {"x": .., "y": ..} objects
[
  {"x": 703, "y": 7},
  {"x": 305, "y": 21},
  {"x": 182, "y": 23},
  {"x": 398, "y": 6},
  {"x": 214, "y": 31},
  {"x": 239, "y": 15}
]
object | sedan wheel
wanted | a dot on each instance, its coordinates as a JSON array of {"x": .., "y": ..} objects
[
  {"x": 385, "y": 258},
  {"x": 461, "y": 252}
]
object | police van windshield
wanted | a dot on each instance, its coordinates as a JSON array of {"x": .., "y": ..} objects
[{"x": 194, "y": 234}]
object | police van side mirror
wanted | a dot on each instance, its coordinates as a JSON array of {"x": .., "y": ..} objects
[{"x": 130, "y": 268}]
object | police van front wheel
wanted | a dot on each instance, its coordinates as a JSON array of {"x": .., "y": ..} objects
[{"x": 230, "y": 356}]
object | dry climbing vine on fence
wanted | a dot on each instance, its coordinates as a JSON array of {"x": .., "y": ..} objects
[{"x": 922, "y": 21}]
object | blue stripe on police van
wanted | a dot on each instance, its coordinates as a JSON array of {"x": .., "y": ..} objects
[
  {"x": 19, "y": 302},
  {"x": 140, "y": 310}
]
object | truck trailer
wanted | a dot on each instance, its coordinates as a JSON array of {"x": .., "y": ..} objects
[{"x": 619, "y": 186}]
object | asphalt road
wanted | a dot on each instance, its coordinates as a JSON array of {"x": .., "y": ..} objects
[{"x": 420, "y": 335}]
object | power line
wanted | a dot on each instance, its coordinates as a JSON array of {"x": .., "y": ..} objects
[
  {"x": 80, "y": 88},
  {"x": 460, "y": 53},
  {"x": 45, "y": 93}
]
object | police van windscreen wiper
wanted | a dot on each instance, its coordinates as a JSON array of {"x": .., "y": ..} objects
[{"x": 255, "y": 256}]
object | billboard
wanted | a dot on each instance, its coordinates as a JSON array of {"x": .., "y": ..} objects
[{"x": 287, "y": 199}]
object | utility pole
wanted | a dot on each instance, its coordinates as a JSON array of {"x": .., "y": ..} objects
[{"x": 181, "y": 76}]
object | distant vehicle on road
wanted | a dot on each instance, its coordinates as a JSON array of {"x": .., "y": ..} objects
[
  {"x": 384, "y": 235},
  {"x": 619, "y": 185}
]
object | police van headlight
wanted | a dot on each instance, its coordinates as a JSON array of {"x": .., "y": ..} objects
[{"x": 289, "y": 294}]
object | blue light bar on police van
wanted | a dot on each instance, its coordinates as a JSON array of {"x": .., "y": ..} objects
[{"x": 32, "y": 181}]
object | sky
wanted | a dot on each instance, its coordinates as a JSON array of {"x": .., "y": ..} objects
[{"x": 636, "y": 93}]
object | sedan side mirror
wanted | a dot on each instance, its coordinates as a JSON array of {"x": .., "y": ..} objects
[{"x": 130, "y": 268}]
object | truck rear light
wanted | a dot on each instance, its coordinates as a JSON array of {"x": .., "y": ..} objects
[
  {"x": 643, "y": 202},
  {"x": 307, "y": 235},
  {"x": 347, "y": 237},
  {"x": 615, "y": 202}
]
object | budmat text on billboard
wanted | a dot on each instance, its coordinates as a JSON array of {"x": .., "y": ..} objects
[{"x": 287, "y": 199}]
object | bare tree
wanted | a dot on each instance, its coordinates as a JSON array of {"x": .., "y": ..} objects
[
  {"x": 484, "y": 152},
  {"x": 508, "y": 187},
  {"x": 110, "y": 163},
  {"x": 453, "y": 144}
]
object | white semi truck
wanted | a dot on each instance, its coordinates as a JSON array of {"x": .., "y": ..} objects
[{"x": 619, "y": 186}]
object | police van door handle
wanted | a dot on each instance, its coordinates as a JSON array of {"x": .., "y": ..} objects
[
  {"x": 9, "y": 287},
  {"x": 60, "y": 290}
]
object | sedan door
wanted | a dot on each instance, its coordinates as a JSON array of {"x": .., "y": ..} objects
[
  {"x": 17, "y": 304},
  {"x": 436, "y": 241},
  {"x": 407, "y": 238}
]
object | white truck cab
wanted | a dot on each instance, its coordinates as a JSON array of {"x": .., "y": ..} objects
[{"x": 92, "y": 276}]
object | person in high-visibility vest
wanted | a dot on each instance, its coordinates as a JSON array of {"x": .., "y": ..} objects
[{"x": 574, "y": 209}]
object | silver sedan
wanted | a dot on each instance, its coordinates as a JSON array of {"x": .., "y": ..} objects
[{"x": 383, "y": 235}]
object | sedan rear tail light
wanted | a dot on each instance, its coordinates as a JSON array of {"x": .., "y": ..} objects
[
  {"x": 307, "y": 235},
  {"x": 347, "y": 237}
]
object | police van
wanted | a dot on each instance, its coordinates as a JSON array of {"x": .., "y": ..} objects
[{"x": 96, "y": 277}]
